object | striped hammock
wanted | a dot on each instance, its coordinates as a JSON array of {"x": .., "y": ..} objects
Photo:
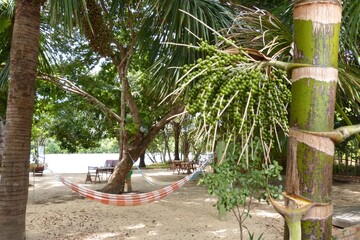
[
  {"x": 155, "y": 182},
  {"x": 130, "y": 199}
]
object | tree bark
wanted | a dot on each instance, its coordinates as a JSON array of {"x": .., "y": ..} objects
[
  {"x": 310, "y": 157},
  {"x": 166, "y": 145},
  {"x": 186, "y": 147},
  {"x": 142, "y": 161},
  {"x": 135, "y": 149},
  {"x": 14, "y": 172},
  {"x": 177, "y": 129},
  {"x": 2, "y": 135}
]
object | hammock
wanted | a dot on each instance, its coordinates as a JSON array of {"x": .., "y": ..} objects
[
  {"x": 130, "y": 199},
  {"x": 155, "y": 182}
]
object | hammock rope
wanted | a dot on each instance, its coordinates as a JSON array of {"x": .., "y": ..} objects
[{"x": 130, "y": 199}]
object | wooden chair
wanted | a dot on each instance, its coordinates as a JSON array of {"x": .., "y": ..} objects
[{"x": 92, "y": 175}]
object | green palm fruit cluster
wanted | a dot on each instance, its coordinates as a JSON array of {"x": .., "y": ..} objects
[
  {"x": 98, "y": 33},
  {"x": 234, "y": 92}
]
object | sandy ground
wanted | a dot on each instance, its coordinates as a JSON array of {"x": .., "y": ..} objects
[{"x": 55, "y": 212}]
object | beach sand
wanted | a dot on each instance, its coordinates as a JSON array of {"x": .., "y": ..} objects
[{"x": 56, "y": 212}]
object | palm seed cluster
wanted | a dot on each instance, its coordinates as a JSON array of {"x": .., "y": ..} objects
[
  {"x": 235, "y": 92},
  {"x": 98, "y": 33}
]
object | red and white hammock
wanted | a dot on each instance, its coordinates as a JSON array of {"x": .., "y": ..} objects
[{"x": 130, "y": 199}]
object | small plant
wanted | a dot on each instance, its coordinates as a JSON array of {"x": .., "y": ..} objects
[
  {"x": 236, "y": 185},
  {"x": 252, "y": 236}
]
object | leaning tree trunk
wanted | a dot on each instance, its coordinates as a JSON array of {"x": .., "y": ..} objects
[
  {"x": 14, "y": 172},
  {"x": 134, "y": 150},
  {"x": 310, "y": 157}
]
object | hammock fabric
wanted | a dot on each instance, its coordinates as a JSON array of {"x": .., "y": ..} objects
[
  {"x": 154, "y": 182},
  {"x": 130, "y": 199}
]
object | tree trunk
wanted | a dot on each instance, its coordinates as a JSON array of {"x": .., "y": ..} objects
[
  {"x": 167, "y": 147},
  {"x": 310, "y": 157},
  {"x": 177, "y": 129},
  {"x": 134, "y": 151},
  {"x": 2, "y": 135},
  {"x": 142, "y": 161},
  {"x": 186, "y": 147},
  {"x": 14, "y": 172}
]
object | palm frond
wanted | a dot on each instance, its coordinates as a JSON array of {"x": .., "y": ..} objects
[
  {"x": 4, "y": 74},
  {"x": 259, "y": 29},
  {"x": 67, "y": 14},
  {"x": 348, "y": 92},
  {"x": 350, "y": 30},
  {"x": 166, "y": 23},
  {"x": 7, "y": 8}
]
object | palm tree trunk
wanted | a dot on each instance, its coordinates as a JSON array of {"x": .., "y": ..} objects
[
  {"x": 14, "y": 181},
  {"x": 310, "y": 157},
  {"x": 2, "y": 135}
]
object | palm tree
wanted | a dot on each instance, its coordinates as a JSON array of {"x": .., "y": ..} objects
[
  {"x": 20, "y": 105},
  {"x": 14, "y": 179},
  {"x": 310, "y": 153},
  {"x": 310, "y": 157}
]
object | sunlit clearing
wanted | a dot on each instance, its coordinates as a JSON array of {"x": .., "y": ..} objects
[
  {"x": 220, "y": 233},
  {"x": 141, "y": 225},
  {"x": 262, "y": 213},
  {"x": 101, "y": 236},
  {"x": 152, "y": 233},
  {"x": 208, "y": 200}
]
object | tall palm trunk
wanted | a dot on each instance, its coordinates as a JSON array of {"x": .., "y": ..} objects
[
  {"x": 2, "y": 133},
  {"x": 14, "y": 181},
  {"x": 310, "y": 157}
]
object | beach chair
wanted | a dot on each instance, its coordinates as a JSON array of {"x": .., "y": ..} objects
[{"x": 92, "y": 175}]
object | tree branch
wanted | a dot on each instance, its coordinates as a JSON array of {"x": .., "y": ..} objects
[
  {"x": 70, "y": 87},
  {"x": 347, "y": 120},
  {"x": 340, "y": 134},
  {"x": 158, "y": 126}
]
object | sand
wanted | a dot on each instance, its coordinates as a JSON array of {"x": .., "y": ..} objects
[{"x": 56, "y": 212}]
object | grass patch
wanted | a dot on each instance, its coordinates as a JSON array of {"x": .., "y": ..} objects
[{"x": 158, "y": 166}]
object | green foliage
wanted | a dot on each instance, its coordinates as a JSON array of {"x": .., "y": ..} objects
[
  {"x": 107, "y": 145},
  {"x": 164, "y": 165},
  {"x": 6, "y": 14},
  {"x": 3, "y": 100},
  {"x": 252, "y": 236},
  {"x": 53, "y": 146},
  {"x": 350, "y": 38},
  {"x": 166, "y": 23},
  {"x": 234, "y": 183}
]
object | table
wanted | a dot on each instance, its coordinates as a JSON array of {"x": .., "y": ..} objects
[
  {"x": 94, "y": 173},
  {"x": 106, "y": 170},
  {"x": 183, "y": 166}
]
